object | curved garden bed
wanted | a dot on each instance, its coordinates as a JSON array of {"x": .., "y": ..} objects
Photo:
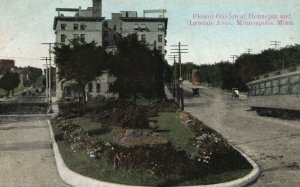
[{"x": 152, "y": 145}]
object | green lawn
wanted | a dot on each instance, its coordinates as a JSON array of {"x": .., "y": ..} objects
[
  {"x": 17, "y": 90},
  {"x": 169, "y": 125}
]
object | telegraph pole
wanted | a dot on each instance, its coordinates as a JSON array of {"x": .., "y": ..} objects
[
  {"x": 50, "y": 82},
  {"x": 179, "y": 49},
  {"x": 233, "y": 58},
  {"x": 275, "y": 43},
  {"x": 46, "y": 72},
  {"x": 173, "y": 57},
  {"x": 249, "y": 51}
]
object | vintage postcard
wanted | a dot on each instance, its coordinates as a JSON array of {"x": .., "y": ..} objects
[{"x": 150, "y": 93}]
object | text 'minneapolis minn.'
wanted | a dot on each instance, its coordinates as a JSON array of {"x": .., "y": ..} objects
[{"x": 246, "y": 19}]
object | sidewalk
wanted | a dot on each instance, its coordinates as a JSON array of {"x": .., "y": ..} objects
[{"x": 26, "y": 154}]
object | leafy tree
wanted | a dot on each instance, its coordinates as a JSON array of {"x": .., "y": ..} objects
[
  {"x": 81, "y": 62},
  {"x": 138, "y": 69},
  {"x": 35, "y": 73},
  {"x": 9, "y": 82}
]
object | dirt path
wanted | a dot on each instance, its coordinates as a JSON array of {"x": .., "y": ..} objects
[
  {"x": 26, "y": 155},
  {"x": 273, "y": 143}
]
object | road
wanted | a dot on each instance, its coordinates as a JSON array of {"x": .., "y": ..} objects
[
  {"x": 26, "y": 154},
  {"x": 274, "y": 144}
]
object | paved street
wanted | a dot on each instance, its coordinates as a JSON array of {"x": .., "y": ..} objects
[
  {"x": 274, "y": 144},
  {"x": 26, "y": 155}
]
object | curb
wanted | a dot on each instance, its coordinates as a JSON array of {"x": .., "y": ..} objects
[{"x": 72, "y": 178}]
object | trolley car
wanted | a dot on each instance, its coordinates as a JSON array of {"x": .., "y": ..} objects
[{"x": 276, "y": 94}]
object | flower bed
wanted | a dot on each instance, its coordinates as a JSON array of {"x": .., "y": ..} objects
[{"x": 147, "y": 151}]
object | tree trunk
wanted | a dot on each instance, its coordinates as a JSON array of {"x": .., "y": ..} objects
[
  {"x": 7, "y": 93},
  {"x": 84, "y": 94}
]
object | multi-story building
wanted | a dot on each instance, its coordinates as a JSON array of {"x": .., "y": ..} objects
[
  {"x": 89, "y": 25},
  {"x": 85, "y": 26},
  {"x": 151, "y": 28}
]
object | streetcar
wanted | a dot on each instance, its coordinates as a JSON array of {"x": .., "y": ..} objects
[{"x": 276, "y": 94}]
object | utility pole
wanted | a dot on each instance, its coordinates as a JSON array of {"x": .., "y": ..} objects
[
  {"x": 275, "y": 43},
  {"x": 233, "y": 58},
  {"x": 173, "y": 57},
  {"x": 50, "y": 79},
  {"x": 249, "y": 50},
  {"x": 46, "y": 72},
  {"x": 178, "y": 49}
]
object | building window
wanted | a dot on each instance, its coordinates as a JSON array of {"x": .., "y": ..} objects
[
  {"x": 76, "y": 37},
  {"x": 82, "y": 38},
  {"x": 160, "y": 48},
  {"x": 127, "y": 14},
  {"x": 90, "y": 86},
  {"x": 160, "y": 38},
  {"x": 160, "y": 27},
  {"x": 136, "y": 27},
  {"x": 63, "y": 26},
  {"x": 63, "y": 38},
  {"x": 82, "y": 26},
  {"x": 105, "y": 24},
  {"x": 76, "y": 26},
  {"x": 105, "y": 34},
  {"x": 115, "y": 27},
  {"x": 143, "y": 37},
  {"x": 98, "y": 87}
]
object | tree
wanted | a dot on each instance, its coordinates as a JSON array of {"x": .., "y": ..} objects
[
  {"x": 35, "y": 73},
  {"x": 138, "y": 70},
  {"x": 81, "y": 62},
  {"x": 9, "y": 82}
]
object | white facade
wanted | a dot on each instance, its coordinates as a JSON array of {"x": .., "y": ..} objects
[
  {"x": 84, "y": 26},
  {"x": 151, "y": 30},
  {"x": 87, "y": 31}
]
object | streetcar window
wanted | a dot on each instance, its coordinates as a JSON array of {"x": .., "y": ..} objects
[
  {"x": 294, "y": 79},
  {"x": 295, "y": 88},
  {"x": 284, "y": 81},
  {"x": 268, "y": 84},
  {"x": 275, "y": 83},
  {"x": 275, "y": 90},
  {"x": 284, "y": 89},
  {"x": 268, "y": 91},
  {"x": 257, "y": 91}
]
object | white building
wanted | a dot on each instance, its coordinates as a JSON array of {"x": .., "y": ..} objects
[
  {"x": 150, "y": 30},
  {"x": 88, "y": 25},
  {"x": 85, "y": 26}
]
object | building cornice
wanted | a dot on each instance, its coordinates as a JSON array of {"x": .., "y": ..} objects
[{"x": 85, "y": 19}]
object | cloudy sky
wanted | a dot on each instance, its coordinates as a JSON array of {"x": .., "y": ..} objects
[{"x": 25, "y": 24}]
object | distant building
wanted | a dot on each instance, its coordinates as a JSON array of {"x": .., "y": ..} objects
[{"x": 6, "y": 65}]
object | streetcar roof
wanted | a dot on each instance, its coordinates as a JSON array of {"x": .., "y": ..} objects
[{"x": 276, "y": 74}]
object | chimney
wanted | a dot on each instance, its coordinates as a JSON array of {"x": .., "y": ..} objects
[{"x": 97, "y": 8}]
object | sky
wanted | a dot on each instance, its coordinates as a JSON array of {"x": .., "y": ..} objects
[{"x": 24, "y": 25}]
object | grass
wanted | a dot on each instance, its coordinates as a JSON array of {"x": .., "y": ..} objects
[
  {"x": 169, "y": 125},
  {"x": 17, "y": 90}
]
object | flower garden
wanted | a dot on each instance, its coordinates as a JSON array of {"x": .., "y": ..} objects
[{"x": 150, "y": 145}]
